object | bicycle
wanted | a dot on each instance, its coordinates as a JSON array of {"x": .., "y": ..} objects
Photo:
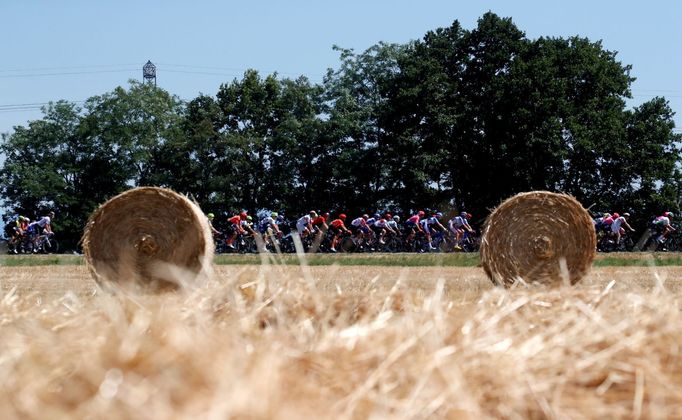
[
  {"x": 44, "y": 244},
  {"x": 470, "y": 242}
]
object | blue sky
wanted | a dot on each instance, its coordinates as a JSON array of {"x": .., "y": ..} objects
[{"x": 75, "y": 49}]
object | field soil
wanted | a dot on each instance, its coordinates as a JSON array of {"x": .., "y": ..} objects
[{"x": 459, "y": 282}]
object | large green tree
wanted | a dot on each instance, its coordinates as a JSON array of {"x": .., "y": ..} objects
[{"x": 73, "y": 159}]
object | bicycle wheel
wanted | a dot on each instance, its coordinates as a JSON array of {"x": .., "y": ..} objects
[
  {"x": 50, "y": 246},
  {"x": 346, "y": 244}
]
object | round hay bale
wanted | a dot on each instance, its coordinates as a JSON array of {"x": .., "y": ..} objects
[
  {"x": 149, "y": 238},
  {"x": 538, "y": 236}
]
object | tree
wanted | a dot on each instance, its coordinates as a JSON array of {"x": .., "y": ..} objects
[
  {"x": 72, "y": 160},
  {"x": 359, "y": 149}
]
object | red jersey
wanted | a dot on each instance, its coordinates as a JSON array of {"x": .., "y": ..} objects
[
  {"x": 337, "y": 223},
  {"x": 235, "y": 220},
  {"x": 319, "y": 220}
]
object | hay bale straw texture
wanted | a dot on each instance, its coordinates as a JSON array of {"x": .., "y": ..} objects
[
  {"x": 538, "y": 236},
  {"x": 150, "y": 238}
]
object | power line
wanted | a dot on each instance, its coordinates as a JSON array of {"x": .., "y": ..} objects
[
  {"x": 30, "y": 107},
  {"x": 230, "y": 70},
  {"x": 65, "y": 68},
  {"x": 14, "y": 76}
]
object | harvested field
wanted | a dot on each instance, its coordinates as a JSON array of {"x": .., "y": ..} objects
[{"x": 342, "y": 341}]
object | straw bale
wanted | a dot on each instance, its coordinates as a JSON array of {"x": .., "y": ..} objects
[
  {"x": 150, "y": 238},
  {"x": 538, "y": 236}
]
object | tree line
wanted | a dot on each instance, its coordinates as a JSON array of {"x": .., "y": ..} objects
[{"x": 457, "y": 120}]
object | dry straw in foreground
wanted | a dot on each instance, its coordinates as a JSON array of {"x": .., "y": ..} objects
[
  {"x": 278, "y": 347},
  {"x": 148, "y": 237},
  {"x": 540, "y": 237}
]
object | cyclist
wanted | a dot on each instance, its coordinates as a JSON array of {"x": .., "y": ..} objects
[
  {"x": 268, "y": 227},
  {"x": 319, "y": 225},
  {"x": 359, "y": 227},
  {"x": 393, "y": 223},
  {"x": 616, "y": 227},
  {"x": 412, "y": 224},
  {"x": 458, "y": 225},
  {"x": 381, "y": 227},
  {"x": 43, "y": 226},
  {"x": 337, "y": 227},
  {"x": 432, "y": 224},
  {"x": 247, "y": 225},
  {"x": 304, "y": 225},
  {"x": 235, "y": 228},
  {"x": 662, "y": 223},
  {"x": 16, "y": 230},
  {"x": 210, "y": 218}
]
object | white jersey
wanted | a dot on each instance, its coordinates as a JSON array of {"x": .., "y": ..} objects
[
  {"x": 266, "y": 222},
  {"x": 304, "y": 221},
  {"x": 42, "y": 222},
  {"x": 381, "y": 223},
  {"x": 358, "y": 222},
  {"x": 662, "y": 220},
  {"x": 615, "y": 226},
  {"x": 458, "y": 222}
]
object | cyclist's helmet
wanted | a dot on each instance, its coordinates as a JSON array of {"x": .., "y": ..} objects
[
  {"x": 616, "y": 215},
  {"x": 468, "y": 215},
  {"x": 342, "y": 216},
  {"x": 396, "y": 218},
  {"x": 377, "y": 216},
  {"x": 274, "y": 214},
  {"x": 249, "y": 218},
  {"x": 242, "y": 215},
  {"x": 421, "y": 213},
  {"x": 670, "y": 215},
  {"x": 439, "y": 215},
  {"x": 313, "y": 214},
  {"x": 364, "y": 216},
  {"x": 626, "y": 214},
  {"x": 388, "y": 215},
  {"x": 210, "y": 216},
  {"x": 463, "y": 214}
]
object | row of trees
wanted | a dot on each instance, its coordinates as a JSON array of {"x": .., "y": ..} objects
[{"x": 457, "y": 120}]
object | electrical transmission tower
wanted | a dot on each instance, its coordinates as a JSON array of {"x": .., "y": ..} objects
[{"x": 149, "y": 73}]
